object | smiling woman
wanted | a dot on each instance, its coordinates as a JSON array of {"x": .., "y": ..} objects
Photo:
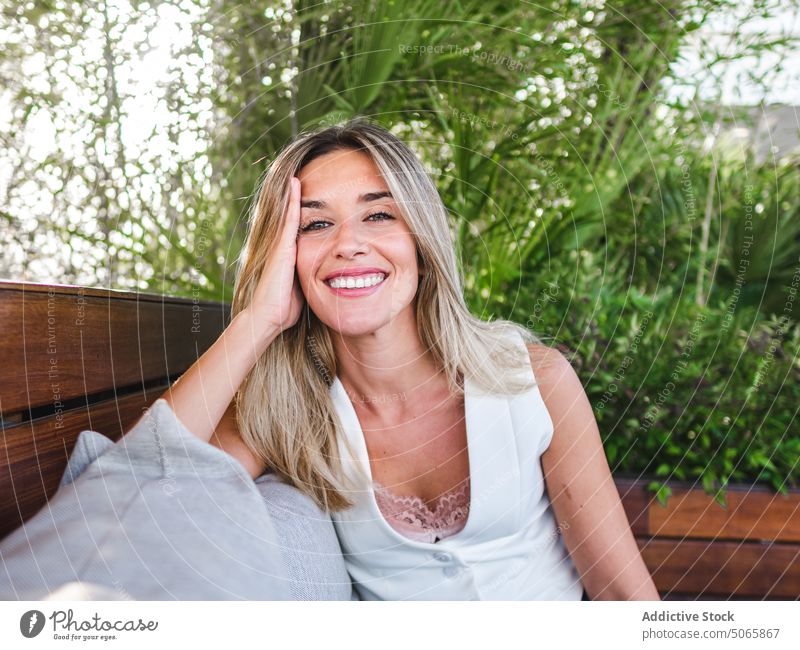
[
  {"x": 348, "y": 290},
  {"x": 352, "y": 246}
]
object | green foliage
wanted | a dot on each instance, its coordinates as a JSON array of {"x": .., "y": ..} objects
[
  {"x": 759, "y": 237},
  {"x": 679, "y": 391}
]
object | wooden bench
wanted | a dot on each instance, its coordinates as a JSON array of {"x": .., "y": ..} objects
[{"x": 75, "y": 358}]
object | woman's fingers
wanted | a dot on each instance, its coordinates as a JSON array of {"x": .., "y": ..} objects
[
  {"x": 277, "y": 296},
  {"x": 292, "y": 220}
]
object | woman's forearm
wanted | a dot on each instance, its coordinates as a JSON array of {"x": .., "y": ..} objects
[
  {"x": 633, "y": 582},
  {"x": 202, "y": 394}
]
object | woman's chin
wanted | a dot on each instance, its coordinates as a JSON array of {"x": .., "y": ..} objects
[
  {"x": 352, "y": 318},
  {"x": 353, "y": 325}
]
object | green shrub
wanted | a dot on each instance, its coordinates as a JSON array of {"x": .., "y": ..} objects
[{"x": 679, "y": 391}]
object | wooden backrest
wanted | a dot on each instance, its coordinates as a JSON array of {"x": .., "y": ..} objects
[{"x": 75, "y": 358}]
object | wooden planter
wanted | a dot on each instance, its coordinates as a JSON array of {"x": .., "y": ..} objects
[
  {"x": 696, "y": 549},
  {"x": 104, "y": 356}
]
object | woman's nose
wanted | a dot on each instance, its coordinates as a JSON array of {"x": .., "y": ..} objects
[{"x": 350, "y": 237}]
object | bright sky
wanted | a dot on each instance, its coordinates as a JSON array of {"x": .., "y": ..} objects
[{"x": 775, "y": 86}]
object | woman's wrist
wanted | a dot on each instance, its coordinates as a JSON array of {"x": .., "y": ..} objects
[{"x": 253, "y": 331}]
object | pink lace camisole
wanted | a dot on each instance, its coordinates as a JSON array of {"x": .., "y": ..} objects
[{"x": 411, "y": 517}]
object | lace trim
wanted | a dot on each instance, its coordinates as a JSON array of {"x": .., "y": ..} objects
[{"x": 414, "y": 517}]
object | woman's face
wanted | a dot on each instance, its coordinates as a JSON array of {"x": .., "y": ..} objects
[{"x": 349, "y": 222}]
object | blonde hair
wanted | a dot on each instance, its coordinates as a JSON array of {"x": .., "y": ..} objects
[{"x": 284, "y": 408}]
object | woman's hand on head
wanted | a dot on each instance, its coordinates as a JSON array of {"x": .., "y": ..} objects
[
  {"x": 278, "y": 298},
  {"x": 201, "y": 396}
]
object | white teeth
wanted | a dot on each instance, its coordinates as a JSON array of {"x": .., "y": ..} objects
[{"x": 359, "y": 282}]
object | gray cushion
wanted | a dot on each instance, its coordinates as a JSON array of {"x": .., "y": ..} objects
[
  {"x": 308, "y": 539},
  {"x": 306, "y": 536},
  {"x": 309, "y": 546},
  {"x": 161, "y": 514},
  {"x": 89, "y": 446}
]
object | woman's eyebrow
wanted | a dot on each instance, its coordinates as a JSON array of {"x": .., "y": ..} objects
[{"x": 316, "y": 204}]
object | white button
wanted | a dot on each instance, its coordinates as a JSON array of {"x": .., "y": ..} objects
[
  {"x": 442, "y": 557},
  {"x": 451, "y": 571}
]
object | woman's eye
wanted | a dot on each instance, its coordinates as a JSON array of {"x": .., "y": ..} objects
[
  {"x": 311, "y": 226},
  {"x": 380, "y": 214}
]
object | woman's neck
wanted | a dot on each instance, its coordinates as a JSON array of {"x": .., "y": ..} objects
[{"x": 386, "y": 368}]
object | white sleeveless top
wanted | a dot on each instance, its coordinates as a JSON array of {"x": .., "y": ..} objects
[{"x": 509, "y": 548}]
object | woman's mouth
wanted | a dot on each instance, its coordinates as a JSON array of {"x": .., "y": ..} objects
[{"x": 355, "y": 286}]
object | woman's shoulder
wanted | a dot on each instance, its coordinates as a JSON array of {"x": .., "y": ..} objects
[
  {"x": 562, "y": 392},
  {"x": 546, "y": 360},
  {"x": 555, "y": 376}
]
